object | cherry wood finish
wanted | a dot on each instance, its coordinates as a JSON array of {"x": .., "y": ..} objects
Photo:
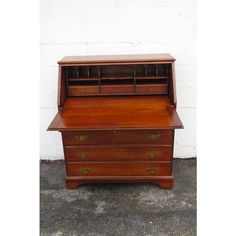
[
  {"x": 118, "y": 153},
  {"x": 120, "y": 89},
  {"x": 113, "y": 59},
  {"x": 119, "y": 168},
  {"x": 116, "y": 113},
  {"x": 163, "y": 137},
  {"x": 117, "y": 116},
  {"x": 165, "y": 182},
  {"x": 152, "y": 89},
  {"x": 74, "y": 91}
]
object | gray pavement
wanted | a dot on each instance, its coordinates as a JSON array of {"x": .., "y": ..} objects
[{"x": 118, "y": 209}]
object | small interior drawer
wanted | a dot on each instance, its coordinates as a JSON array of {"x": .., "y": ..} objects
[
  {"x": 82, "y": 90},
  {"x": 152, "y": 88},
  {"x": 110, "y": 89},
  {"x": 120, "y": 169}
]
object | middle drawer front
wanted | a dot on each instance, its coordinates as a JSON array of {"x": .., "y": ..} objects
[
  {"x": 83, "y": 153},
  {"x": 164, "y": 137},
  {"x": 119, "y": 169}
]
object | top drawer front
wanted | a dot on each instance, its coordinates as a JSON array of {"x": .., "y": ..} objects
[{"x": 118, "y": 137}]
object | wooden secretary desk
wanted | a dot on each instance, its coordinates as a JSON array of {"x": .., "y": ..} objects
[{"x": 117, "y": 116}]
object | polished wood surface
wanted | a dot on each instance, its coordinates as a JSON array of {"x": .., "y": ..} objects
[
  {"x": 118, "y": 153},
  {"x": 121, "y": 89},
  {"x": 165, "y": 182},
  {"x": 151, "y": 89},
  {"x": 119, "y": 79},
  {"x": 116, "y": 59},
  {"x": 114, "y": 113},
  {"x": 119, "y": 168},
  {"x": 118, "y": 137},
  {"x": 117, "y": 116},
  {"x": 75, "y": 91}
]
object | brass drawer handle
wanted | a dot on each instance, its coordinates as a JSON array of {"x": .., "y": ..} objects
[
  {"x": 83, "y": 154},
  {"x": 85, "y": 170},
  {"x": 152, "y": 169},
  {"x": 153, "y": 136},
  {"x": 153, "y": 154},
  {"x": 81, "y": 138}
]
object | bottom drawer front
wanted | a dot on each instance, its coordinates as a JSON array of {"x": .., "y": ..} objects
[
  {"x": 119, "y": 169},
  {"x": 83, "y": 153}
]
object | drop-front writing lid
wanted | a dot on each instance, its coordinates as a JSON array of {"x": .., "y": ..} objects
[{"x": 111, "y": 113}]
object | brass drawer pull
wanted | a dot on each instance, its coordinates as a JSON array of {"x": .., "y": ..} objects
[
  {"x": 153, "y": 154},
  {"x": 85, "y": 170},
  {"x": 81, "y": 138},
  {"x": 152, "y": 169},
  {"x": 153, "y": 136},
  {"x": 83, "y": 154}
]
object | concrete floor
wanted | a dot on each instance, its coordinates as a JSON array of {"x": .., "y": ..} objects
[{"x": 118, "y": 209}]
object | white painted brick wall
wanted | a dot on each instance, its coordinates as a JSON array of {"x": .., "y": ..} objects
[{"x": 83, "y": 27}]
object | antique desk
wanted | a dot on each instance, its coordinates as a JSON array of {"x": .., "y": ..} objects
[{"x": 117, "y": 116}]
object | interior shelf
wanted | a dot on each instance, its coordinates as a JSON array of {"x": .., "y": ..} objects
[
  {"x": 114, "y": 78},
  {"x": 117, "y": 79}
]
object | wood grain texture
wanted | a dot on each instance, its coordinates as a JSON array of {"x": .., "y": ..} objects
[
  {"x": 152, "y": 89},
  {"x": 117, "y": 153},
  {"x": 119, "y": 169},
  {"x": 62, "y": 91},
  {"x": 99, "y": 59},
  {"x": 116, "y": 113},
  {"x": 117, "y": 137},
  {"x": 121, "y": 139},
  {"x": 82, "y": 90},
  {"x": 121, "y": 89},
  {"x": 165, "y": 182}
]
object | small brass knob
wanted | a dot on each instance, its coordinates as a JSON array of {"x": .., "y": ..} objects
[{"x": 81, "y": 138}]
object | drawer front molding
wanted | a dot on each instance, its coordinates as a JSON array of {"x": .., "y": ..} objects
[
  {"x": 152, "y": 169},
  {"x": 164, "y": 137},
  {"x": 104, "y": 153},
  {"x": 119, "y": 169}
]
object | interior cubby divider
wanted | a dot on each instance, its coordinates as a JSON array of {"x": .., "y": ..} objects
[{"x": 152, "y": 77}]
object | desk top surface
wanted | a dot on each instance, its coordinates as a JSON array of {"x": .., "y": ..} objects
[
  {"x": 116, "y": 58},
  {"x": 117, "y": 112}
]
